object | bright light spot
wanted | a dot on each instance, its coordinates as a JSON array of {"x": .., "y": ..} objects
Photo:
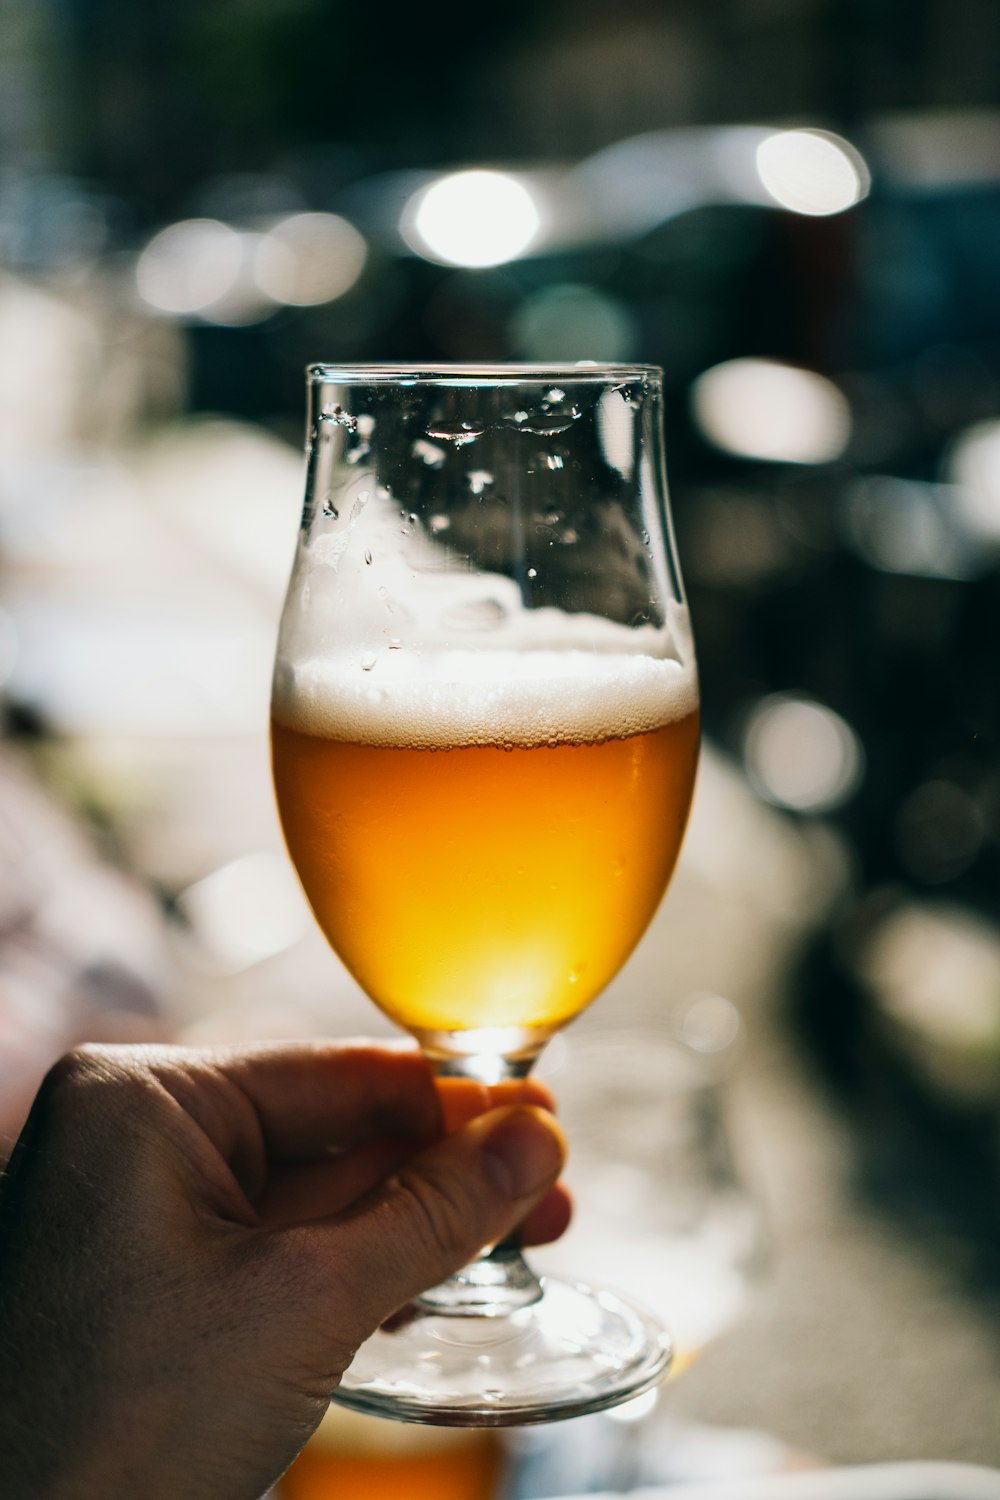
[
  {"x": 561, "y": 322},
  {"x": 636, "y": 1409},
  {"x": 811, "y": 172},
  {"x": 189, "y": 266},
  {"x": 975, "y": 468},
  {"x": 759, "y": 408},
  {"x": 308, "y": 259},
  {"x": 247, "y": 910},
  {"x": 802, "y": 755},
  {"x": 473, "y": 218}
]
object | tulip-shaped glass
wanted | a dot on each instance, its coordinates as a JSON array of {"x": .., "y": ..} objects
[{"x": 485, "y": 732}]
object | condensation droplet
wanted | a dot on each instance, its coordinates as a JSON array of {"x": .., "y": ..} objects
[
  {"x": 532, "y": 572},
  {"x": 553, "y": 460},
  {"x": 628, "y": 395},
  {"x": 439, "y": 523},
  {"x": 645, "y": 538},
  {"x": 456, "y": 433},
  {"x": 395, "y": 644},
  {"x": 368, "y": 661},
  {"x": 479, "y": 479},
  {"x": 553, "y": 397},
  {"x": 368, "y": 557},
  {"x": 338, "y": 417},
  {"x": 329, "y": 509},
  {"x": 544, "y": 424},
  {"x": 406, "y": 529}
]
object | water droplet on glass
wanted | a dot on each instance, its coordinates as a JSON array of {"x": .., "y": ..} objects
[
  {"x": 479, "y": 479},
  {"x": 553, "y": 460},
  {"x": 569, "y": 536},
  {"x": 551, "y": 518},
  {"x": 457, "y": 433},
  {"x": 645, "y": 538},
  {"x": 329, "y": 509},
  {"x": 395, "y": 644},
  {"x": 338, "y": 417},
  {"x": 553, "y": 397},
  {"x": 432, "y": 455},
  {"x": 439, "y": 523},
  {"x": 368, "y": 661},
  {"x": 544, "y": 424},
  {"x": 355, "y": 455},
  {"x": 406, "y": 529},
  {"x": 368, "y": 557},
  {"x": 532, "y": 572},
  {"x": 628, "y": 395}
]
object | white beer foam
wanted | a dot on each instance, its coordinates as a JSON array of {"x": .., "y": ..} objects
[{"x": 443, "y": 699}]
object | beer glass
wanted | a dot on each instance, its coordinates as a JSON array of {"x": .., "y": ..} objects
[{"x": 485, "y": 732}]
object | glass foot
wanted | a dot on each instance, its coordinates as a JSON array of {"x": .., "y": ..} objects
[{"x": 574, "y": 1351}]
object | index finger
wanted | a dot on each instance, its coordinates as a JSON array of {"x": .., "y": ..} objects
[{"x": 308, "y": 1097}]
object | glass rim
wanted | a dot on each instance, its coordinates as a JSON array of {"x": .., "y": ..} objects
[{"x": 486, "y": 374}]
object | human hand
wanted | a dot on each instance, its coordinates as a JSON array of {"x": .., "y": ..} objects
[{"x": 193, "y": 1244}]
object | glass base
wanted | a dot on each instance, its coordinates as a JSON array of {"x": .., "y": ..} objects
[{"x": 574, "y": 1351}]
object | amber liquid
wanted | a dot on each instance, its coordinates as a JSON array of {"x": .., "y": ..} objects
[{"x": 479, "y": 886}]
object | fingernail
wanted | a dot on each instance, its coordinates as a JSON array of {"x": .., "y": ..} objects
[{"x": 522, "y": 1153}]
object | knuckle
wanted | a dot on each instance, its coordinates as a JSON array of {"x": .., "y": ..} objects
[{"x": 81, "y": 1065}]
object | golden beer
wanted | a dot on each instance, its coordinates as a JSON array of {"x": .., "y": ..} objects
[{"x": 481, "y": 885}]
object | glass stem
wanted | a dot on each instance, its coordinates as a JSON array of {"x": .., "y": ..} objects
[{"x": 499, "y": 1281}]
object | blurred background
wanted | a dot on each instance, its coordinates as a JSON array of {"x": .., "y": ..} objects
[{"x": 794, "y": 207}]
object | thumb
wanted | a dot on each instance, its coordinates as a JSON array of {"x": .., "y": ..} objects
[{"x": 439, "y": 1210}]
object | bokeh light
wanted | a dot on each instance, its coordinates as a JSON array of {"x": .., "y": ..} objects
[
  {"x": 760, "y": 408},
  {"x": 308, "y": 259},
  {"x": 801, "y": 755},
  {"x": 472, "y": 218},
  {"x": 189, "y": 266},
  {"x": 812, "y": 172},
  {"x": 906, "y": 526},
  {"x": 974, "y": 466}
]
